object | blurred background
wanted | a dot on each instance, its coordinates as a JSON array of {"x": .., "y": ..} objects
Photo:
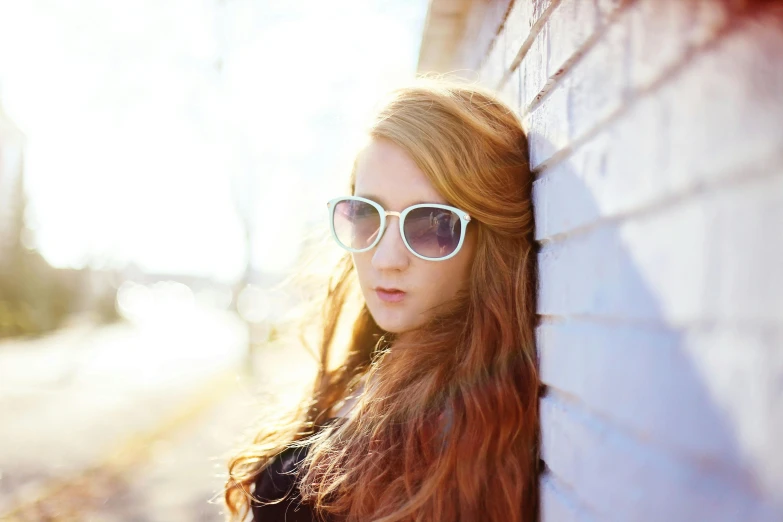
[{"x": 163, "y": 166}]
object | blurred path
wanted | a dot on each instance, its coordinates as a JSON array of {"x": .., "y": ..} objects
[
  {"x": 134, "y": 421},
  {"x": 88, "y": 401},
  {"x": 183, "y": 479},
  {"x": 184, "y": 474}
]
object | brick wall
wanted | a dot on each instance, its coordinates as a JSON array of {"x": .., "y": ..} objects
[{"x": 656, "y": 132}]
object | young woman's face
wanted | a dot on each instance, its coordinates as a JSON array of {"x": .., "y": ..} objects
[{"x": 386, "y": 174}]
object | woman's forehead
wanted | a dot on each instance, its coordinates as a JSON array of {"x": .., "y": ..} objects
[{"x": 387, "y": 174}]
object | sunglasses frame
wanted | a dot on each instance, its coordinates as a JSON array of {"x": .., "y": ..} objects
[{"x": 464, "y": 218}]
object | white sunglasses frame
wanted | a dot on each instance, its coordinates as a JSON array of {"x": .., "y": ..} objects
[{"x": 464, "y": 218}]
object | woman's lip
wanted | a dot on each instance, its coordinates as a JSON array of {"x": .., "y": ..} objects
[{"x": 390, "y": 295}]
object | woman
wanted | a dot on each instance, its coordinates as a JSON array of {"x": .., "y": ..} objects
[{"x": 441, "y": 421}]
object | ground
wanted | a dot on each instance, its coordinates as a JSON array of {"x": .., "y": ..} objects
[{"x": 134, "y": 421}]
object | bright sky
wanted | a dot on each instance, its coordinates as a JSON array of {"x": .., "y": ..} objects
[{"x": 153, "y": 126}]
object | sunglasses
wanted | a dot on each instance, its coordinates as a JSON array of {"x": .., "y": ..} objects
[{"x": 430, "y": 231}]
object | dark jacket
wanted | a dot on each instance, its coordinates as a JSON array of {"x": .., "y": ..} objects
[{"x": 278, "y": 483}]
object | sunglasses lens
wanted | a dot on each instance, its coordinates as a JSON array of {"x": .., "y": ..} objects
[
  {"x": 356, "y": 223},
  {"x": 433, "y": 232}
]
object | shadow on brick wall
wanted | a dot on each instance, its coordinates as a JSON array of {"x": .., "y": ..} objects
[{"x": 637, "y": 420}]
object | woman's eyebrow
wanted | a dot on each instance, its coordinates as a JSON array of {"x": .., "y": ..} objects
[
  {"x": 383, "y": 203},
  {"x": 370, "y": 196}
]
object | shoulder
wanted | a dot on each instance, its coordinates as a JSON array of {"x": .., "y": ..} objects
[
  {"x": 278, "y": 478},
  {"x": 276, "y": 494}
]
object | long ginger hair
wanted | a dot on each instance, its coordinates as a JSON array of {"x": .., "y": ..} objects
[{"x": 446, "y": 428}]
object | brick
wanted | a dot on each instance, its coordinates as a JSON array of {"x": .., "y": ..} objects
[
  {"x": 535, "y": 68},
  {"x": 598, "y": 84},
  {"x": 686, "y": 263},
  {"x": 620, "y": 478},
  {"x": 522, "y": 24},
  {"x": 511, "y": 91},
  {"x": 665, "y": 31},
  {"x": 521, "y": 71},
  {"x": 548, "y": 130},
  {"x": 493, "y": 68},
  {"x": 744, "y": 260},
  {"x": 597, "y": 273},
  {"x": 741, "y": 367},
  {"x": 569, "y": 28},
  {"x": 694, "y": 391},
  {"x": 517, "y": 30}
]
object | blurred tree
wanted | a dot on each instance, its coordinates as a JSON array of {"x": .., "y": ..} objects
[{"x": 34, "y": 296}]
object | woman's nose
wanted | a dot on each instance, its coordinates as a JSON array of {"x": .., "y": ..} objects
[{"x": 390, "y": 252}]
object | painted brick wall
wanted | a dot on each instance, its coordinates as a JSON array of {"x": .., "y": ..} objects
[{"x": 656, "y": 131}]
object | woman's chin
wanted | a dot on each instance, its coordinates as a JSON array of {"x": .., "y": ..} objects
[
  {"x": 392, "y": 326},
  {"x": 393, "y": 322}
]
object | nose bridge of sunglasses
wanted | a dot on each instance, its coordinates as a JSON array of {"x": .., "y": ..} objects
[{"x": 386, "y": 226}]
